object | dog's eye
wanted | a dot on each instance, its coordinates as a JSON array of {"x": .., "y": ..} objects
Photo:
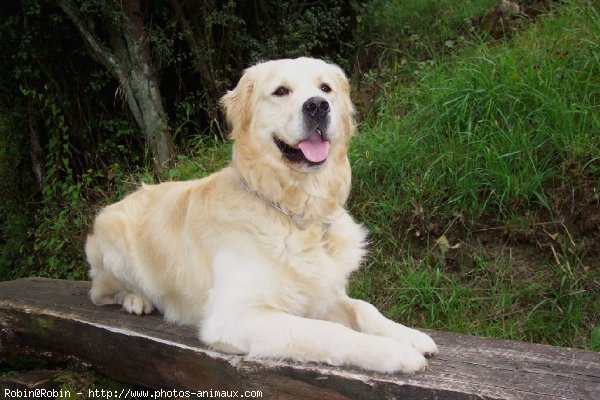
[
  {"x": 281, "y": 91},
  {"x": 325, "y": 88}
]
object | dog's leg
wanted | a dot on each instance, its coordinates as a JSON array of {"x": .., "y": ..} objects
[
  {"x": 106, "y": 288},
  {"x": 266, "y": 333},
  {"x": 364, "y": 317}
]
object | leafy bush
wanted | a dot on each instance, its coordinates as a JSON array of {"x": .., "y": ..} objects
[{"x": 17, "y": 189}]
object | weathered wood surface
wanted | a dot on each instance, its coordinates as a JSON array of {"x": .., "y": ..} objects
[{"x": 55, "y": 318}]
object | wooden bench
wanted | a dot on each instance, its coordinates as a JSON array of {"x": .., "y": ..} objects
[{"x": 55, "y": 318}]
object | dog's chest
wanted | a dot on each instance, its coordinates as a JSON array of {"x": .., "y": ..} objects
[{"x": 315, "y": 267}]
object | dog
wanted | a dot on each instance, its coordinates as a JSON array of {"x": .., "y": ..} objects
[{"x": 257, "y": 256}]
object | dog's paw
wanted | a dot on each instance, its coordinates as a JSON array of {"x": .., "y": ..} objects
[
  {"x": 389, "y": 356},
  {"x": 404, "y": 359},
  {"x": 136, "y": 304},
  {"x": 420, "y": 341},
  {"x": 423, "y": 343}
]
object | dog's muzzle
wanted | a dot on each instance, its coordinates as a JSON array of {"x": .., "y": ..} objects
[{"x": 313, "y": 149}]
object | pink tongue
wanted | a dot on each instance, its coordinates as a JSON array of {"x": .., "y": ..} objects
[{"x": 314, "y": 148}]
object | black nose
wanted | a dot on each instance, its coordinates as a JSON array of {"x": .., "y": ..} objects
[{"x": 315, "y": 107}]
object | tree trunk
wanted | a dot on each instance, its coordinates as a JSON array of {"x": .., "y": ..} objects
[
  {"x": 129, "y": 61},
  {"x": 37, "y": 156},
  {"x": 200, "y": 42},
  {"x": 140, "y": 82}
]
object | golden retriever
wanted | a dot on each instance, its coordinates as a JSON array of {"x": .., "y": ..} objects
[{"x": 258, "y": 255}]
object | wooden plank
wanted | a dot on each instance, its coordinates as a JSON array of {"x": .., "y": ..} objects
[{"x": 55, "y": 317}]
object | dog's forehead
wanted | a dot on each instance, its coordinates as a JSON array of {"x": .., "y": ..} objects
[{"x": 297, "y": 72}]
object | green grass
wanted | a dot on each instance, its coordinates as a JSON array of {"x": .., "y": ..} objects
[
  {"x": 496, "y": 136},
  {"x": 398, "y": 38},
  {"x": 417, "y": 23},
  {"x": 490, "y": 299},
  {"x": 489, "y": 131}
]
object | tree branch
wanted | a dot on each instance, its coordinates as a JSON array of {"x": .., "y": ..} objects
[{"x": 98, "y": 51}]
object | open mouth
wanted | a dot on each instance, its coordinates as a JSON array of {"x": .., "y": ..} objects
[{"x": 313, "y": 150}]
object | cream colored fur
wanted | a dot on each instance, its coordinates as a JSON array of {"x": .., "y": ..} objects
[{"x": 216, "y": 255}]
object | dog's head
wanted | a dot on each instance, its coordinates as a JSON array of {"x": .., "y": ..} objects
[{"x": 292, "y": 112}]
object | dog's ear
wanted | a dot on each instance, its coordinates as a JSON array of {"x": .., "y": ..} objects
[
  {"x": 347, "y": 109},
  {"x": 238, "y": 106}
]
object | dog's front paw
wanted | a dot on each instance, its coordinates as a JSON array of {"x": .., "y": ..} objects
[
  {"x": 404, "y": 359},
  {"x": 388, "y": 356},
  {"x": 420, "y": 341},
  {"x": 423, "y": 343}
]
